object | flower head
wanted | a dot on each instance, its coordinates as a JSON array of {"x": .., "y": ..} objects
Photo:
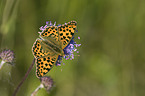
[
  {"x": 47, "y": 82},
  {"x": 7, "y": 56},
  {"x": 70, "y": 49}
]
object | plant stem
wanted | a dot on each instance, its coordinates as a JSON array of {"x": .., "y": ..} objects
[
  {"x": 36, "y": 90},
  {"x": 2, "y": 63},
  {"x": 24, "y": 78}
]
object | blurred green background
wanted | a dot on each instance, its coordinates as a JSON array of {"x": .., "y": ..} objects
[{"x": 112, "y": 54}]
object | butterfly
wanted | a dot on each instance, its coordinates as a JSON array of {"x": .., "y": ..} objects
[{"x": 46, "y": 49}]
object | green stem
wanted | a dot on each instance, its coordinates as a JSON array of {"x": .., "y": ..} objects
[
  {"x": 2, "y": 63},
  {"x": 26, "y": 75},
  {"x": 36, "y": 90}
]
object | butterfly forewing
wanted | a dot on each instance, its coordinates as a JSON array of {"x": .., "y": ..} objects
[
  {"x": 66, "y": 32},
  {"x": 51, "y": 32},
  {"x": 37, "y": 49},
  {"x": 51, "y": 35}
]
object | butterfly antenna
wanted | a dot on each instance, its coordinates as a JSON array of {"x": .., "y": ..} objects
[
  {"x": 54, "y": 23},
  {"x": 50, "y": 23}
]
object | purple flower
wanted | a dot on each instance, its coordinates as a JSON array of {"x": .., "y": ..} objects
[
  {"x": 70, "y": 49},
  {"x": 6, "y": 56},
  {"x": 47, "y": 82}
]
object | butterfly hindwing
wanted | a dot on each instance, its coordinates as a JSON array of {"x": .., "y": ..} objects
[
  {"x": 66, "y": 32},
  {"x": 37, "y": 49},
  {"x": 44, "y": 64},
  {"x": 45, "y": 57}
]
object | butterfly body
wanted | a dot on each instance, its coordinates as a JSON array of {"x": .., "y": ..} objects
[{"x": 50, "y": 45}]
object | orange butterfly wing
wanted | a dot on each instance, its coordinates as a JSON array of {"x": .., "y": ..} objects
[{"x": 66, "y": 32}]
